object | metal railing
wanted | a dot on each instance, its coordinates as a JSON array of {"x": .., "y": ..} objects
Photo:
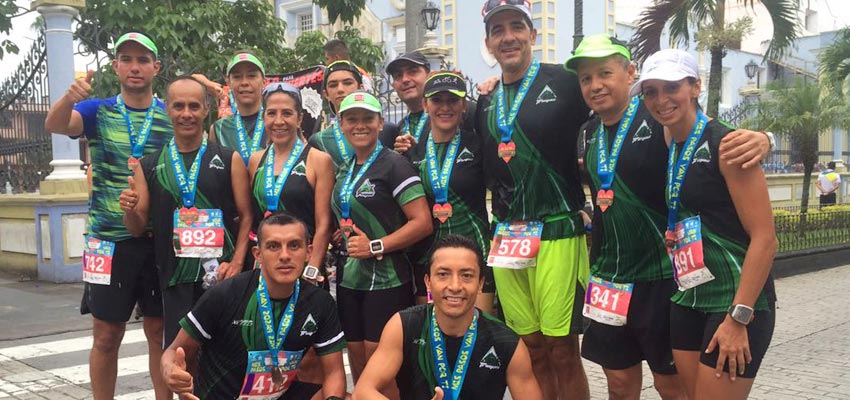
[{"x": 821, "y": 229}]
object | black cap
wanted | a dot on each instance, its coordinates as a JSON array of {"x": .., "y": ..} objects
[
  {"x": 445, "y": 81},
  {"x": 414, "y": 57},
  {"x": 341, "y": 65}
]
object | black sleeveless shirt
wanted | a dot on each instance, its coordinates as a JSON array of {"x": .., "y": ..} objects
[{"x": 297, "y": 197}]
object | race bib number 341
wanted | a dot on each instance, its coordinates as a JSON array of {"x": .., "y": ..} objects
[
  {"x": 97, "y": 261},
  {"x": 198, "y": 233},
  {"x": 689, "y": 267},
  {"x": 607, "y": 302},
  {"x": 515, "y": 245}
]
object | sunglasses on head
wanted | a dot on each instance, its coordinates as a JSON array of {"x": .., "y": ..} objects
[
  {"x": 492, "y": 4},
  {"x": 281, "y": 87}
]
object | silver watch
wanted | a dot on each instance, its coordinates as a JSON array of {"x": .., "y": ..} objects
[
  {"x": 376, "y": 247},
  {"x": 771, "y": 139},
  {"x": 741, "y": 314},
  {"x": 310, "y": 272}
]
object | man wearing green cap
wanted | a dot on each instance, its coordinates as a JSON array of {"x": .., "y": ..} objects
[
  {"x": 119, "y": 269},
  {"x": 631, "y": 276},
  {"x": 243, "y": 131}
]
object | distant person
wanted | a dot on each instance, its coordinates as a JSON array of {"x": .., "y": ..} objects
[
  {"x": 828, "y": 183},
  {"x": 337, "y": 50}
]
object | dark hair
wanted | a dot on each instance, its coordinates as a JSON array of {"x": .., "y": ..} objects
[
  {"x": 281, "y": 219},
  {"x": 830, "y": 165},
  {"x": 524, "y": 18},
  {"x": 337, "y": 48},
  {"x": 188, "y": 78},
  {"x": 458, "y": 242}
]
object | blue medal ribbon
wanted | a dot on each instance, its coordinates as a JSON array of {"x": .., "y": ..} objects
[
  {"x": 137, "y": 139},
  {"x": 606, "y": 167},
  {"x": 347, "y": 189},
  {"x": 273, "y": 186},
  {"x": 242, "y": 135},
  {"x": 440, "y": 177},
  {"x": 188, "y": 184},
  {"x": 677, "y": 170},
  {"x": 274, "y": 340},
  {"x": 340, "y": 141},
  {"x": 420, "y": 126},
  {"x": 506, "y": 123},
  {"x": 452, "y": 382}
]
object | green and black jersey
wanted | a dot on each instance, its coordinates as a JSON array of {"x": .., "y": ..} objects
[
  {"x": 109, "y": 144},
  {"x": 214, "y": 190},
  {"x": 724, "y": 240},
  {"x": 417, "y": 153},
  {"x": 297, "y": 197},
  {"x": 628, "y": 238},
  {"x": 226, "y": 321},
  {"x": 467, "y": 193},
  {"x": 542, "y": 181},
  {"x": 486, "y": 376},
  {"x": 376, "y": 209},
  {"x": 225, "y": 130},
  {"x": 325, "y": 141}
]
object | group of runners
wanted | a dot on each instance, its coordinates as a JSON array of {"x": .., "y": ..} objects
[{"x": 221, "y": 238}]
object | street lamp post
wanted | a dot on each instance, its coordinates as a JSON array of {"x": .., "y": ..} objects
[
  {"x": 751, "y": 70},
  {"x": 431, "y": 49}
]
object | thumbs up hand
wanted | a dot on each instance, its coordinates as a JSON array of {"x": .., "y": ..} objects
[
  {"x": 438, "y": 393},
  {"x": 81, "y": 88},
  {"x": 358, "y": 244},
  {"x": 177, "y": 378},
  {"x": 129, "y": 198}
]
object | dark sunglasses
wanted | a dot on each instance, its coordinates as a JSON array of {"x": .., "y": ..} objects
[{"x": 492, "y": 4}]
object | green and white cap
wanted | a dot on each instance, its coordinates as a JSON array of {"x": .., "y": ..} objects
[
  {"x": 360, "y": 100},
  {"x": 139, "y": 38},
  {"x": 245, "y": 57},
  {"x": 597, "y": 46}
]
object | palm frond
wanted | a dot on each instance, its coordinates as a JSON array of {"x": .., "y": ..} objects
[
  {"x": 650, "y": 25},
  {"x": 783, "y": 15},
  {"x": 835, "y": 61}
]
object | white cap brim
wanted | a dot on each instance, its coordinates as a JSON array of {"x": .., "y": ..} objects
[{"x": 662, "y": 74}]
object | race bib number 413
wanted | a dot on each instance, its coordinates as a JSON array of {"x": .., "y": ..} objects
[
  {"x": 97, "y": 261},
  {"x": 515, "y": 245},
  {"x": 259, "y": 383},
  {"x": 689, "y": 267},
  {"x": 198, "y": 233}
]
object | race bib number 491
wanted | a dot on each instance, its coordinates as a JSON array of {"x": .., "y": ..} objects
[
  {"x": 689, "y": 267},
  {"x": 515, "y": 245},
  {"x": 97, "y": 261},
  {"x": 198, "y": 233},
  {"x": 259, "y": 383}
]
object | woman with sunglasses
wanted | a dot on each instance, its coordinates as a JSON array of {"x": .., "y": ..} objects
[
  {"x": 381, "y": 207},
  {"x": 720, "y": 236}
]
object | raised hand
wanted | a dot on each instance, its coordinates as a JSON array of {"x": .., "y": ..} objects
[
  {"x": 129, "y": 197},
  {"x": 81, "y": 88}
]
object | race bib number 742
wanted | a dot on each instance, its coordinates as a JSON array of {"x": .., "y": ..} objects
[{"x": 97, "y": 261}]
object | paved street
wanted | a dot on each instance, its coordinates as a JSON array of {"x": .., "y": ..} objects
[{"x": 44, "y": 344}]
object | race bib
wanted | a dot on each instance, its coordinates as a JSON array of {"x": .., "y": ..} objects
[
  {"x": 198, "y": 233},
  {"x": 607, "y": 302},
  {"x": 515, "y": 245},
  {"x": 97, "y": 261},
  {"x": 689, "y": 269},
  {"x": 260, "y": 381}
]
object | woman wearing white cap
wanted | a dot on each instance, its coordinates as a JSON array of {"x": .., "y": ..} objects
[{"x": 721, "y": 237}]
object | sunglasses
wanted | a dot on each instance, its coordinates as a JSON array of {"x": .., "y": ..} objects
[
  {"x": 492, "y": 4},
  {"x": 281, "y": 87}
]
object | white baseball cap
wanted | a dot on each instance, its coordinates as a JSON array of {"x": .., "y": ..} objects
[{"x": 666, "y": 65}]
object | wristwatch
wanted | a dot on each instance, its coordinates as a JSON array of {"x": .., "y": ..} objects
[
  {"x": 310, "y": 272},
  {"x": 741, "y": 314},
  {"x": 376, "y": 247},
  {"x": 771, "y": 139}
]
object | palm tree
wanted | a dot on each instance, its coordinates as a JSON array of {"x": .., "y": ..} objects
[
  {"x": 709, "y": 17},
  {"x": 835, "y": 63}
]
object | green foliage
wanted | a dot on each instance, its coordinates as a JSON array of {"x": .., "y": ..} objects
[
  {"x": 709, "y": 36},
  {"x": 345, "y": 10},
  {"x": 8, "y": 10},
  {"x": 308, "y": 46},
  {"x": 835, "y": 64},
  {"x": 365, "y": 53}
]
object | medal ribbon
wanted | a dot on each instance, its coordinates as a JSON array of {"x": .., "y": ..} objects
[
  {"x": 242, "y": 135},
  {"x": 676, "y": 170},
  {"x": 137, "y": 139},
  {"x": 348, "y": 184},
  {"x": 232, "y": 101},
  {"x": 340, "y": 141},
  {"x": 438, "y": 350},
  {"x": 274, "y": 186},
  {"x": 506, "y": 123},
  {"x": 187, "y": 184},
  {"x": 420, "y": 126},
  {"x": 440, "y": 178},
  {"x": 275, "y": 341},
  {"x": 606, "y": 167}
]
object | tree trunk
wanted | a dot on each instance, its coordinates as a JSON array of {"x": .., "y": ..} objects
[
  {"x": 715, "y": 79},
  {"x": 414, "y": 28},
  {"x": 809, "y": 156}
]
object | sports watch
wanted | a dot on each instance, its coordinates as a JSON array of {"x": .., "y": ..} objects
[
  {"x": 741, "y": 314},
  {"x": 376, "y": 247},
  {"x": 771, "y": 139},
  {"x": 310, "y": 272}
]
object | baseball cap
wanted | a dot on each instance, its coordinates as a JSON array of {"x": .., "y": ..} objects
[
  {"x": 245, "y": 57},
  {"x": 597, "y": 46},
  {"x": 360, "y": 100},
  {"x": 139, "y": 38},
  {"x": 492, "y": 7},
  {"x": 414, "y": 57},
  {"x": 342, "y": 65},
  {"x": 666, "y": 65},
  {"x": 445, "y": 81}
]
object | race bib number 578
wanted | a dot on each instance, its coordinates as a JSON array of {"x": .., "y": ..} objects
[{"x": 515, "y": 245}]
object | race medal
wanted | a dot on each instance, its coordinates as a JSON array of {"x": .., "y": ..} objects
[
  {"x": 507, "y": 151},
  {"x": 347, "y": 226},
  {"x": 266, "y": 215},
  {"x": 442, "y": 212},
  {"x": 132, "y": 163},
  {"x": 670, "y": 239},
  {"x": 689, "y": 267},
  {"x": 97, "y": 261},
  {"x": 515, "y": 245},
  {"x": 607, "y": 302},
  {"x": 604, "y": 199},
  {"x": 264, "y": 381},
  {"x": 198, "y": 233}
]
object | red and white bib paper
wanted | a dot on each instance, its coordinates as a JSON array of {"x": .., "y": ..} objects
[{"x": 515, "y": 245}]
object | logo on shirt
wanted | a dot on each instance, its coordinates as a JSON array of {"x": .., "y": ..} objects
[
  {"x": 547, "y": 95},
  {"x": 300, "y": 169},
  {"x": 490, "y": 360},
  {"x": 464, "y": 156},
  {"x": 216, "y": 163},
  {"x": 309, "y": 327},
  {"x": 366, "y": 190},
  {"x": 243, "y": 322},
  {"x": 643, "y": 133},
  {"x": 418, "y": 162},
  {"x": 702, "y": 155},
  {"x": 419, "y": 341}
]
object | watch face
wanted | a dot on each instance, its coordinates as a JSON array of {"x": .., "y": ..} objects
[
  {"x": 376, "y": 246},
  {"x": 311, "y": 272}
]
